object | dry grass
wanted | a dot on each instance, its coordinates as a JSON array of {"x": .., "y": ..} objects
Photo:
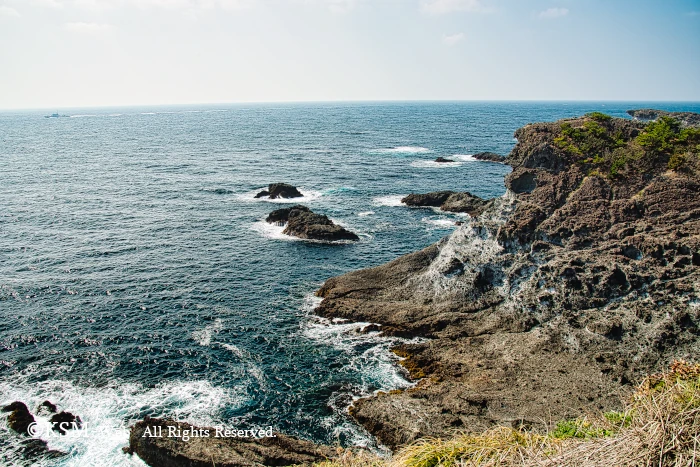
[{"x": 659, "y": 428}]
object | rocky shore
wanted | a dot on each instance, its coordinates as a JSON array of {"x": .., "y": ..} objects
[{"x": 582, "y": 278}]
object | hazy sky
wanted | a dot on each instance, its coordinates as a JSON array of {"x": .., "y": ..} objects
[{"x": 56, "y": 53}]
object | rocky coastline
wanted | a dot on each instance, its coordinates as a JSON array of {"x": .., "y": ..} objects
[
  {"x": 547, "y": 303},
  {"x": 581, "y": 279}
]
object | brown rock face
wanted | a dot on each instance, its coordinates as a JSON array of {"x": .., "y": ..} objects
[
  {"x": 582, "y": 278},
  {"x": 182, "y": 448}
]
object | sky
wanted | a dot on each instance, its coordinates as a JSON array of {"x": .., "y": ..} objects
[{"x": 79, "y": 53}]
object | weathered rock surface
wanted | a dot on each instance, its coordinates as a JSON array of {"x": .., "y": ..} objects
[
  {"x": 20, "y": 418},
  {"x": 687, "y": 118},
  {"x": 577, "y": 282},
  {"x": 448, "y": 201},
  {"x": 280, "y": 190},
  {"x": 303, "y": 223},
  {"x": 489, "y": 156},
  {"x": 31, "y": 449},
  {"x": 443, "y": 160},
  {"x": 205, "y": 451}
]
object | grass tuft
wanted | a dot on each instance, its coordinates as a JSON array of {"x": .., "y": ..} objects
[{"x": 660, "y": 426}]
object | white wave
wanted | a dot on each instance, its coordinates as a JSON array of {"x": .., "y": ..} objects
[
  {"x": 405, "y": 150},
  {"x": 203, "y": 336},
  {"x": 148, "y": 113},
  {"x": 274, "y": 232},
  {"x": 390, "y": 200},
  {"x": 464, "y": 157},
  {"x": 435, "y": 165},
  {"x": 82, "y": 116},
  {"x": 114, "y": 115},
  {"x": 308, "y": 196},
  {"x": 108, "y": 412},
  {"x": 439, "y": 223},
  {"x": 365, "y": 213}
]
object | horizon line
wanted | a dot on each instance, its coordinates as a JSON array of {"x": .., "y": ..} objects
[{"x": 351, "y": 101}]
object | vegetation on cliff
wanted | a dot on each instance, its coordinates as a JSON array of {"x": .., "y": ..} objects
[
  {"x": 660, "y": 425},
  {"x": 602, "y": 145}
]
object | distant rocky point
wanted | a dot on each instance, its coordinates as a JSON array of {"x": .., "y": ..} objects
[
  {"x": 303, "y": 223},
  {"x": 280, "y": 190},
  {"x": 489, "y": 156},
  {"x": 450, "y": 201},
  {"x": 686, "y": 118}
]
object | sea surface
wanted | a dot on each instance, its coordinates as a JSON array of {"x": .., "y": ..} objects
[{"x": 137, "y": 276}]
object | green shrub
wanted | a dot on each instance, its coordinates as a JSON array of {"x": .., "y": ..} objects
[{"x": 599, "y": 116}]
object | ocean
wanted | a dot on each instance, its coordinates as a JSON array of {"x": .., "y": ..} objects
[{"x": 137, "y": 276}]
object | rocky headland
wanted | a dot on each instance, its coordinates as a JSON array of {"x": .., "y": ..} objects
[
  {"x": 686, "y": 118},
  {"x": 301, "y": 222},
  {"x": 449, "y": 201},
  {"x": 581, "y": 279}
]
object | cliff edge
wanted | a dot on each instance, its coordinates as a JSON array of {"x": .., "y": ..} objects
[{"x": 582, "y": 278}]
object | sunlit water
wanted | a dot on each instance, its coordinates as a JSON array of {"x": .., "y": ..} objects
[{"x": 137, "y": 277}]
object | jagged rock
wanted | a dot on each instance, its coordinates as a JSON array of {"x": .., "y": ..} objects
[
  {"x": 448, "y": 201},
  {"x": 64, "y": 421},
  {"x": 280, "y": 190},
  {"x": 20, "y": 418},
  {"x": 19, "y": 421},
  {"x": 207, "y": 449},
  {"x": 443, "y": 160},
  {"x": 489, "y": 156},
  {"x": 303, "y": 223},
  {"x": 576, "y": 283},
  {"x": 686, "y": 118},
  {"x": 47, "y": 406},
  {"x": 282, "y": 215}
]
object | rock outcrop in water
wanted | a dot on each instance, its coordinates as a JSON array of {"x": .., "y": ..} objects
[
  {"x": 489, "y": 156},
  {"x": 21, "y": 421},
  {"x": 448, "y": 201},
  {"x": 303, "y": 223},
  {"x": 280, "y": 190},
  {"x": 443, "y": 160},
  {"x": 190, "y": 446},
  {"x": 582, "y": 278}
]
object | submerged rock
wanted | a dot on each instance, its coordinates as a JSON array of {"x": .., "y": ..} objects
[
  {"x": 583, "y": 278},
  {"x": 185, "y": 445},
  {"x": 21, "y": 421},
  {"x": 489, "y": 156},
  {"x": 448, "y": 201},
  {"x": 280, "y": 190},
  {"x": 65, "y": 421},
  {"x": 47, "y": 406},
  {"x": 443, "y": 160},
  {"x": 303, "y": 223}
]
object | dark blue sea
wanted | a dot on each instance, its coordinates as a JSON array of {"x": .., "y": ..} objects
[{"x": 138, "y": 278}]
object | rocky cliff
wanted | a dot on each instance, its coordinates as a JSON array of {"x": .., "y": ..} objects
[{"x": 584, "y": 276}]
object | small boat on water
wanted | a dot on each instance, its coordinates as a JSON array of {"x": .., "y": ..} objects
[{"x": 55, "y": 116}]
